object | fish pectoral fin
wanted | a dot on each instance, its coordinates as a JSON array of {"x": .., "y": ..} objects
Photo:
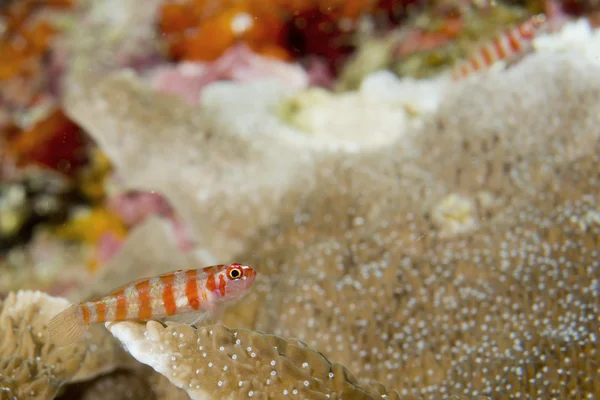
[{"x": 191, "y": 318}]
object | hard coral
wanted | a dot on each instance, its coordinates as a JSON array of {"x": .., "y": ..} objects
[
  {"x": 54, "y": 142},
  {"x": 239, "y": 63},
  {"x": 98, "y": 42},
  {"x": 506, "y": 133},
  {"x": 219, "y": 160},
  {"x": 501, "y": 312},
  {"x": 355, "y": 263},
  {"x": 465, "y": 312},
  {"x": 283, "y": 29},
  {"x": 32, "y": 368},
  {"x": 25, "y": 40},
  {"x": 217, "y": 362},
  {"x": 138, "y": 383},
  {"x": 186, "y": 25}
]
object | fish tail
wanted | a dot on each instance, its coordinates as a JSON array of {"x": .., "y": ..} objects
[{"x": 66, "y": 327}]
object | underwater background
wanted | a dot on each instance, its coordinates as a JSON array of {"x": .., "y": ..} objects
[{"x": 415, "y": 182}]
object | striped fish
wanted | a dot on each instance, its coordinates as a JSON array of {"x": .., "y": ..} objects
[
  {"x": 195, "y": 293},
  {"x": 508, "y": 45}
]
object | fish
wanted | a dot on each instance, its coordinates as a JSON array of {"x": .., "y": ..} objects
[
  {"x": 508, "y": 45},
  {"x": 194, "y": 294}
]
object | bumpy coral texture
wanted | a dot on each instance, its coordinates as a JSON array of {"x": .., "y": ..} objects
[
  {"x": 32, "y": 368},
  {"x": 217, "y": 362},
  {"x": 462, "y": 260},
  {"x": 507, "y": 307}
]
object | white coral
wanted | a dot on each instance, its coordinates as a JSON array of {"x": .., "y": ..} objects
[{"x": 577, "y": 36}]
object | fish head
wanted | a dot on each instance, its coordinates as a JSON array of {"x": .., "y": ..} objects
[{"x": 239, "y": 279}]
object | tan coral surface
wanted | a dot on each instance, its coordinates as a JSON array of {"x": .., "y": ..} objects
[
  {"x": 215, "y": 362},
  {"x": 31, "y": 367}
]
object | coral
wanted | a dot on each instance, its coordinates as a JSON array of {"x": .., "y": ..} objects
[
  {"x": 239, "y": 63},
  {"x": 432, "y": 41},
  {"x": 185, "y": 26},
  {"x": 500, "y": 310},
  {"x": 577, "y": 36},
  {"x": 164, "y": 389},
  {"x": 39, "y": 196},
  {"x": 417, "y": 313},
  {"x": 46, "y": 263},
  {"x": 89, "y": 225},
  {"x": 25, "y": 39},
  {"x": 320, "y": 33},
  {"x": 139, "y": 382},
  {"x": 96, "y": 227},
  {"x": 205, "y": 190},
  {"x": 32, "y": 368},
  {"x": 91, "y": 178},
  {"x": 355, "y": 257},
  {"x": 96, "y": 42},
  {"x": 391, "y": 109},
  {"x": 287, "y": 29},
  {"x": 54, "y": 142},
  {"x": 320, "y": 113},
  {"x": 222, "y": 159},
  {"x": 508, "y": 146},
  {"x": 217, "y": 362},
  {"x": 373, "y": 54},
  {"x": 121, "y": 384}
]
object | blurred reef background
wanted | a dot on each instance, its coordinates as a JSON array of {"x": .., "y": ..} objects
[{"x": 419, "y": 232}]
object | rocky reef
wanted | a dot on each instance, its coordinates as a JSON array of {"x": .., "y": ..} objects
[{"x": 453, "y": 256}]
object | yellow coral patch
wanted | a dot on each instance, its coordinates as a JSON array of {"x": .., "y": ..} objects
[{"x": 89, "y": 226}]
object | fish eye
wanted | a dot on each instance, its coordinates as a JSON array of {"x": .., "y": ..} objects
[{"x": 234, "y": 273}]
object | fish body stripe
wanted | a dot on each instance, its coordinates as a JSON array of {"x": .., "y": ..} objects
[
  {"x": 211, "y": 283},
  {"x": 500, "y": 49},
  {"x": 510, "y": 43},
  {"x": 100, "y": 311},
  {"x": 133, "y": 304},
  {"x": 121, "y": 311},
  {"x": 168, "y": 294},
  {"x": 144, "y": 298},
  {"x": 87, "y": 314},
  {"x": 191, "y": 289},
  {"x": 222, "y": 285}
]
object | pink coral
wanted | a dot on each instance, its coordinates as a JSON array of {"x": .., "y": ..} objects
[
  {"x": 133, "y": 208},
  {"x": 239, "y": 63},
  {"x": 107, "y": 246}
]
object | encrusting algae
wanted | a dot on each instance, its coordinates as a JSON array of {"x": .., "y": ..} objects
[{"x": 196, "y": 293}]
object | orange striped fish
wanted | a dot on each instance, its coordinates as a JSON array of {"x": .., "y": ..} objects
[
  {"x": 508, "y": 45},
  {"x": 196, "y": 293}
]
